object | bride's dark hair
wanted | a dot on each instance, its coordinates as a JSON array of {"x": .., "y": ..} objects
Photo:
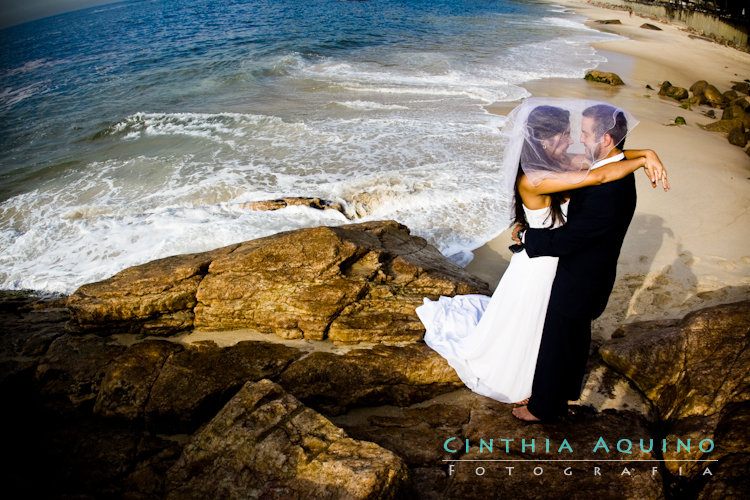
[{"x": 543, "y": 122}]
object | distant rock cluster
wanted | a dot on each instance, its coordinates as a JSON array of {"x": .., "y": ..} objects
[{"x": 734, "y": 103}]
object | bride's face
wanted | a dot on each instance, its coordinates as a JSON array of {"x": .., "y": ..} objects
[{"x": 557, "y": 145}]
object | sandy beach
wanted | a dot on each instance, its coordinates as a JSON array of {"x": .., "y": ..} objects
[{"x": 690, "y": 247}]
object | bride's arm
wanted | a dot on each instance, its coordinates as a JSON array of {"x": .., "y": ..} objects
[
  {"x": 635, "y": 159},
  {"x": 572, "y": 180}
]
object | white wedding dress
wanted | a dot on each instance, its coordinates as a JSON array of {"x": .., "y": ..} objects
[{"x": 493, "y": 342}]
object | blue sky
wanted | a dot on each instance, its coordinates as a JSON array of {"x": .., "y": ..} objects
[{"x": 19, "y": 11}]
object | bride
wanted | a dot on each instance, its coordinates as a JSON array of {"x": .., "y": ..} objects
[{"x": 493, "y": 343}]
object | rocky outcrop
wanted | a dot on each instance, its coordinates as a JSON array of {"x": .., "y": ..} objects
[
  {"x": 695, "y": 373},
  {"x": 604, "y": 77},
  {"x": 265, "y": 444},
  {"x": 359, "y": 282},
  {"x": 133, "y": 417},
  {"x": 649, "y": 26},
  {"x": 280, "y": 203},
  {"x": 683, "y": 369}
]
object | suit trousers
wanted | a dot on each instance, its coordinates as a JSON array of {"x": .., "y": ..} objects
[{"x": 561, "y": 364}]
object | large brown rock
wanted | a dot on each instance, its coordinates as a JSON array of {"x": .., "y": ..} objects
[
  {"x": 669, "y": 90},
  {"x": 265, "y": 444},
  {"x": 156, "y": 298},
  {"x": 692, "y": 369},
  {"x": 395, "y": 375},
  {"x": 195, "y": 383},
  {"x": 350, "y": 283},
  {"x": 604, "y": 77}
]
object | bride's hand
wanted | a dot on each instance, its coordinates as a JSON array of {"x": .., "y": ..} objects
[{"x": 655, "y": 170}]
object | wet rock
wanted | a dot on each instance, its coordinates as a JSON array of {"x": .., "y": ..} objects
[
  {"x": 280, "y": 203},
  {"x": 265, "y": 443},
  {"x": 607, "y": 390},
  {"x": 394, "y": 375},
  {"x": 609, "y": 21},
  {"x": 669, "y": 90},
  {"x": 604, "y": 77},
  {"x": 694, "y": 368},
  {"x": 195, "y": 383},
  {"x": 649, "y": 26}
]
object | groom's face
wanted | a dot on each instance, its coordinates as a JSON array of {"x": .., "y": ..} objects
[{"x": 589, "y": 139}]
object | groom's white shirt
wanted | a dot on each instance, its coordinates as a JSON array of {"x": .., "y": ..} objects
[
  {"x": 606, "y": 161},
  {"x": 600, "y": 163}
]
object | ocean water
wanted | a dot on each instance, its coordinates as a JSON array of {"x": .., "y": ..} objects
[{"x": 136, "y": 130}]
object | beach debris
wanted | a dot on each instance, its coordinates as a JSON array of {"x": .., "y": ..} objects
[
  {"x": 680, "y": 120},
  {"x": 604, "y": 77},
  {"x": 649, "y": 87},
  {"x": 710, "y": 113},
  {"x": 669, "y": 90},
  {"x": 649, "y": 26},
  {"x": 609, "y": 21}
]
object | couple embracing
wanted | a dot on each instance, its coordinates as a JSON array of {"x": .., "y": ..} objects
[{"x": 574, "y": 197}]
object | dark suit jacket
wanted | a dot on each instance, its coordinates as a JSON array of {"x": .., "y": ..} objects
[{"x": 588, "y": 246}]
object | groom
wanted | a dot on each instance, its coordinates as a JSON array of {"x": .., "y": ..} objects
[{"x": 588, "y": 246}]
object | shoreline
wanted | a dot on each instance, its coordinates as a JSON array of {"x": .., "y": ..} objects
[{"x": 688, "y": 248}]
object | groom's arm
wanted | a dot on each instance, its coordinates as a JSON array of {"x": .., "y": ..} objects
[{"x": 596, "y": 211}]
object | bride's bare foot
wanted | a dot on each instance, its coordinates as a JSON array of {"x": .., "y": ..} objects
[
  {"x": 522, "y": 402},
  {"x": 523, "y": 413}
]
